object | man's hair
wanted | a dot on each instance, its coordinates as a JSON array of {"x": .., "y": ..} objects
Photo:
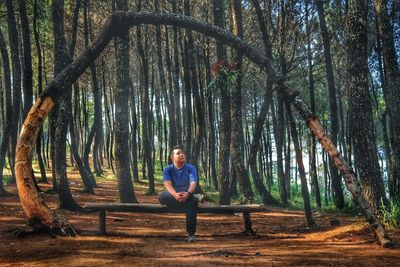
[{"x": 175, "y": 147}]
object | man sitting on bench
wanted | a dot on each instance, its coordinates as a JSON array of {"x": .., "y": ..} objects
[{"x": 180, "y": 180}]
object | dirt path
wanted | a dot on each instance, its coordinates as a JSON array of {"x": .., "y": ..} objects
[{"x": 159, "y": 239}]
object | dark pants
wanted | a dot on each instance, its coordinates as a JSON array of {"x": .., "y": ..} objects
[{"x": 189, "y": 206}]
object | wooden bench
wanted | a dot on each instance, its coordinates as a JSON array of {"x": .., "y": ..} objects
[{"x": 102, "y": 208}]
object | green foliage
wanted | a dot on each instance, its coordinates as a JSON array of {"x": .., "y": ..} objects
[
  {"x": 390, "y": 214},
  {"x": 226, "y": 78},
  {"x": 7, "y": 179}
]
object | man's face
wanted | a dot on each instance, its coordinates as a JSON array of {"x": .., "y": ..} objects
[{"x": 178, "y": 156}]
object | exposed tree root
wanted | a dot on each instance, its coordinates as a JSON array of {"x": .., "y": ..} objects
[{"x": 60, "y": 227}]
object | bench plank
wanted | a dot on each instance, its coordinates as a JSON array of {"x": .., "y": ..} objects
[
  {"x": 102, "y": 208},
  {"x": 158, "y": 208}
]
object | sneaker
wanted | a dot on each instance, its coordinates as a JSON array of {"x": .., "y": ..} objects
[{"x": 191, "y": 238}]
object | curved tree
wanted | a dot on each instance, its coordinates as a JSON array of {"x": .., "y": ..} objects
[{"x": 36, "y": 209}]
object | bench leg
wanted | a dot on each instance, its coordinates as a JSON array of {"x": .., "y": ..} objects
[
  {"x": 248, "y": 229},
  {"x": 102, "y": 223}
]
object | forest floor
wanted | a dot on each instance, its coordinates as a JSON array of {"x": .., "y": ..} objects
[{"x": 142, "y": 239}]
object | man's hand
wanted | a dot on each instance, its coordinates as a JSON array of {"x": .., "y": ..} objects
[{"x": 182, "y": 196}]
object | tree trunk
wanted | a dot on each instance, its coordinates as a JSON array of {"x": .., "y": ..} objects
[
  {"x": 312, "y": 143},
  {"x": 43, "y": 177},
  {"x": 198, "y": 110},
  {"x": 211, "y": 125},
  {"x": 61, "y": 59},
  {"x": 187, "y": 107},
  {"x": 134, "y": 146},
  {"x": 121, "y": 123},
  {"x": 237, "y": 138},
  {"x": 8, "y": 110},
  {"x": 168, "y": 98},
  {"x": 392, "y": 93},
  {"x": 336, "y": 179},
  {"x": 360, "y": 114},
  {"x": 225, "y": 124},
  {"x": 16, "y": 82},
  {"x": 177, "y": 101},
  {"x": 266, "y": 196},
  {"x": 147, "y": 131},
  {"x": 96, "y": 128},
  {"x": 27, "y": 74},
  {"x": 84, "y": 173},
  {"x": 302, "y": 172},
  {"x": 279, "y": 133}
]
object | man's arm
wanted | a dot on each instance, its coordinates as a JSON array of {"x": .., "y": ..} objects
[
  {"x": 171, "y": 189},
  {"x": 192, "y": 187},
  {"x": 185, "y": 195}
]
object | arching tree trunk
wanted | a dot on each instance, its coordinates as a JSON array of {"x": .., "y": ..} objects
[{"x": 37, "y": 210}]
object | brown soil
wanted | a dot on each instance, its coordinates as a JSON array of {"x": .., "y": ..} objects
[{"x": 136, "y": 239}]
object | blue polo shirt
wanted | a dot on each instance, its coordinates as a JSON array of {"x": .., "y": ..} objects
[{"x": 181, "y": 178}]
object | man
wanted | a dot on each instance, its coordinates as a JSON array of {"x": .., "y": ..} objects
[{"x": 180, "y": 179}]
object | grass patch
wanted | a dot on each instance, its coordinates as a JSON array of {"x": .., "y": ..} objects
[{"x": 390, "y": 214}]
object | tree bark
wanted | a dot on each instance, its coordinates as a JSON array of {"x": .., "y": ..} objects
[
  {"x": 237, "y": 138},
  {"x": 259, "y": 121},
  {"x": 8, "y": 110},
  {"x": 16, "y": 82},
  {"x": 392, "y": 93},
  {"x": 177, "y": 106},
  {"x": 121, "y": 123},
  {"x": 43, "y": 177},
  {"x": 336, "y": 179},
  {"x": 302, "y": 172},
  {"x": 168, "y": 98},
  {"x": 27, "y": 74},
  {"x": 147, "y": 131},
  {"x": 279, "y": 135},
  {"x": 362, "y": 131},
  {"x": 96, "y": 129},
  {"x": 61, "y": 59},
  {"x": 312, "y": 142},
  {"x": 225, "y": 124},
  {"x": 198, "y": 110}
]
